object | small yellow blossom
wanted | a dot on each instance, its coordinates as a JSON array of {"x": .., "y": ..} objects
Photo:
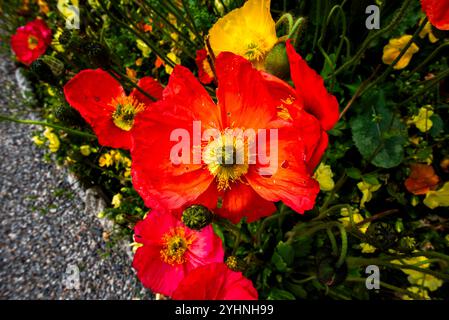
[
  {"x": 139, "y": 62},
  {"x": 143, "y": 48},
  {"x": 53, "y": 140},
  {"x": 367, "y": 248},
  {"x": 419, "y": 278},
  {"x": 323, "y": 175},
  {"x": 37, "y": 140},
  {"x": 422, "y": 119},
  {"x": 173, "y": 57},
  {"x": 65, "y": 9},
  {"x": 56, "y": 44},
  {"x": 419, "y": 291},
  {"x": 438, "y": 198},
  {"x": 85, "y": 150},
  {"x": 356, "y": 218},
  {"x": 117, "y": 200},
  {"x": 248, "y": 31},
  {"x": 43, "y": 6},
  {"x": 367, "y": 191},
  {"x": 105, "y": 160},
  {"x": 427, "y": 31},
  {"x": 69, "y": 161},
  {"x": 394, "y": 48}
]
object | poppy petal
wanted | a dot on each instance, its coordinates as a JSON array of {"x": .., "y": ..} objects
[{"x": 310, "y": 86}]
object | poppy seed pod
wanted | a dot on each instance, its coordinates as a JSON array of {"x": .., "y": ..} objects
[{"x": 196, "y": 217}]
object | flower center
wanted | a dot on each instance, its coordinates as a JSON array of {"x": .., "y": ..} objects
[
  {"x": 126, "y": 108},
  {"x": 32, "y": 42},
  {"x": 226, "y": 158},
  {"x": 255, "y": 52},
  {"x": 175, "y": 245}
]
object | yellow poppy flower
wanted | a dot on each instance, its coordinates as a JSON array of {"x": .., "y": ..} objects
[
  {"x": 367, "y": 191},
  {"x": 422, "y": 119},
  {"x": 438, "y": 198},
  {"x": 248, "y": 31},
  {"x": 323, "y": 175},
  {"x": 394, "y": 48}
]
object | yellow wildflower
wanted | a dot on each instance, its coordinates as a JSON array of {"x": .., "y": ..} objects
[
  {"x": 69, "y": 161},
  {"x": 65, "y": 9},
  {"x": 143, "y": 47},
  {"x": 427, "y": 31},
  {"x": 422, "y": 119},
  {"x": 37, "y": 140},
  {"x": 117, "y": 200},
  {"x": 323, "y": 175},
  {"x": 248, "y": 31},
  {"x": 139, "y": 62},
  {"x": 419, "y": 278},
  {"x": 105, "y": 160},
  {"x": 53, "y": 140},
  {"x": 394, "y": 48},
  {"x": 132, "y": 74},
  {"x": 367, "y": 191},
  {"x": 173, "y": 57},
  {"x": 438, "y": 198},
  {"x": 367, "y": 248},
  {"x": 419, "y": 291},
  {"x": 356, "y": 218},
  {"x": 85, "y": 150}
]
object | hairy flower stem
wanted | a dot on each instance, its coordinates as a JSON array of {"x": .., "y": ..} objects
[{"x": 50, "y": 125}]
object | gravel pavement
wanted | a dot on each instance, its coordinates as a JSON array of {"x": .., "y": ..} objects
[{"x": 45, "y": 237}]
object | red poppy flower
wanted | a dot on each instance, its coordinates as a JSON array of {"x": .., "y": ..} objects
[
  {"x": 316, "y": 101},
  {"x": 438, "y": 13},
  {"x": 167, "y": 251},
  {"x": 31, "y": 41},
  {"x": 246, "y": 100},
  {"x": 422, "y": 179},
  {"x": 205, "y": 73},
  {"x": 103, "y": 103},
  {"x": 227, "y": 285}
]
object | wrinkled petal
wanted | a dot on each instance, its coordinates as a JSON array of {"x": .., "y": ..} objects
[{"x": 310, "y": 86}]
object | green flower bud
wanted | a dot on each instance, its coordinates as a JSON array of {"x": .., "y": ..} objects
[
  {"x": 277, "y": 63},
  {"x": 120, "y": 218},
  {"x": 56, "y": 66},
  {"x": 381, "y": 235},
  {"x": 65, "y": 37},
  {"x": 196, "y": 217}
]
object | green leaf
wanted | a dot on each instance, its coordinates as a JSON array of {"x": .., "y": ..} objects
[
  {"x": 354, "y": 173},
  {"x": 286, "y": 252},
  {"x": 278, "y": 262},
  {"x": 279, "y": 294},
  {"x": 377, "y": 133}
]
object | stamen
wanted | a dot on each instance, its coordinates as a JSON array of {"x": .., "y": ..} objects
[
  {"x": 32, "y": 42},
  {"x": 126, "y": 108},
  {"x": 175, "y": 245},
  {"x": 227, "y": 159}
]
